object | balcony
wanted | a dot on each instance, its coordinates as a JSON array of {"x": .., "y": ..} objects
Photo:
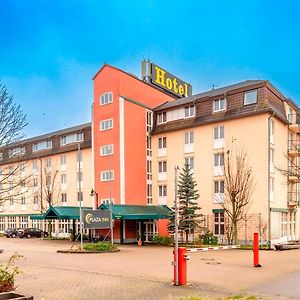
[
  {"x": 293, "y": 174},
  {"x": 292, "y": 198},
  {"x": 294, "y": 148},
  {"x": 294, "y": 120}
]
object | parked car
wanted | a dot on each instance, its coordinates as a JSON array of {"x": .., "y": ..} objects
[
  {"x": 32, "y": 232},
  {"x": 11, "y": 232}
]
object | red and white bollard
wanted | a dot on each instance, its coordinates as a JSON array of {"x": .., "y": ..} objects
[
  {"x": 182, "y": 266},
  {"x": 256, "y": 250}
]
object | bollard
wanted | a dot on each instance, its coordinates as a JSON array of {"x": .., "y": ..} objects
[
  {"x": 256, "y": 250},
  {"x": 182, "y": 266}
]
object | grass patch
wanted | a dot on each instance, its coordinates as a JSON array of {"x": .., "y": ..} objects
[
  {"x": 99, "y": 247},
  {"x": 234, "y": 297}
]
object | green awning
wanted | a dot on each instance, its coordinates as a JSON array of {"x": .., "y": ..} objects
[
  {"x": 218, "y": 210},
  {"x": 60, "y": 212},
  {"x": 138, "y": 212}
]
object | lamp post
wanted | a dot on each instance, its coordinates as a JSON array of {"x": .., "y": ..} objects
[
  {"x": 92, "y": 194},
  {"x": 80, "y": 196},
  {"x": 176, "y": 223}
]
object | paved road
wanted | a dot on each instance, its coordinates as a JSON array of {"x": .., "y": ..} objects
[
  {"x": 140, "y": 272},
  {"x": 288, "y": 286}
]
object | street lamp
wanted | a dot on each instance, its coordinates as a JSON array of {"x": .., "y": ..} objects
[{"x": 94, "y": 193}]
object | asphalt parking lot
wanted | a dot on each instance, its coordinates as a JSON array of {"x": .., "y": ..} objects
[{"x": 144, "y": 272}]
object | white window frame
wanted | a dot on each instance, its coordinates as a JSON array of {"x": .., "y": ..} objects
[
  {"x": 105, "y": 123},
  {"x": 106, "y": 150},
  {"x": 64, "y": 198},
  {"x": 162, "y": 166},
  {"x": 71, "y": 138},
  {"x": 189, "y": 137},
  {"x": 250, "y": 94},
  {"x": 42, "y": 145},
  {"x": 162, "y": 117},
  {"x": 219, "y": 105},
  {"x": 190, "y": 161},
  {"x": 107, "y": 175},
  {"x": 106, "y": 98},
  {"x": 162, "y": 191},
  {"x": 219, "y": 224},
  {"x": 189, "y": 111},
  {"x": 162, "y": 142}
]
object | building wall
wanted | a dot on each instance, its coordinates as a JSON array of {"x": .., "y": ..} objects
[{"x": 129, "y": 124}]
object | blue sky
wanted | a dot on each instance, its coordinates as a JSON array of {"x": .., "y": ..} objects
[{"x": 50, "y": 49}]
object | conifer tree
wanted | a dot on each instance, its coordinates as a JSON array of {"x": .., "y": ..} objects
[{"x": 188, "y": 206}]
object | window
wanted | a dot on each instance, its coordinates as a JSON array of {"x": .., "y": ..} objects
[
  {"x": 219, "y": 223},
  {"x": 1, "y": 155},
  {"x": 71, "y": 138},
  {"x": 35, "y": 165},
  {"x": 35, "y": 200},
  {"x": 108, "y": 200},
  {"x": 106, "y": 150},
  {"x": 162, "y": 167},
  {"x": 162, "y": 117},
  {"x": 16, "y": 151},
  {"x": 283, "y": 224},
  {"x": 106, "y": 98},
  {"x": 48, "y": 181},
  {"x": 11, "y": 201},
  {"x": 149, "y": 121},
  {"x": 106, "y": 124},
  {"x": 189, "y": 137},
  {"x": 149, "y": 169},
  {"x": 250, "y": 97},
  {"x": 219, "y": 132},
  {"x": 290, "y": 115},
  {"x": 35, "y": 182},
  {"x": 63, "y": 178},
  {"x": 219, "y": 105},
  {"x": 149, "y": 193},
  {"x": 79, "y": 196},
  {"x": 219, "y": 187},
  {"x": 162, "y": 191},
  {"x": 107, "y": 175},
  {"x": 189, "y": 111},
  {"x": 44, "y": 145},
  {"x": 23, "y": 200},
  {"x": 149, "y": 147},
  {"x": 271, "y": 160},
  {"x": 63, "y": 197},
  {"x": 63, "y": 160},
  {"x": 219, "y": 160},
  {"x": 162, "y": 142},
  {"x": 22, "y": 167},
  {"x": 190, "y": 162},
  {"x": 48, "y": 162}
]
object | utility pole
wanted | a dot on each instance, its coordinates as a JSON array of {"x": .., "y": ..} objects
[{"x": 176, "y": 223}]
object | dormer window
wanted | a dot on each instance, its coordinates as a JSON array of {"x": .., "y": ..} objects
[
  {"x": 44, "y": 145},
  {"x": 189, "y": 111},
  {"x": 219, "y": 105},
  {"x": 162, "y": 117},
  {"x": 250, "y": 97}
]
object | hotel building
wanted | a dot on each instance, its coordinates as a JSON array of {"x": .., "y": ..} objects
[
  {"x": 50, "y": 166},
  {"x": 140, "y": 132}
]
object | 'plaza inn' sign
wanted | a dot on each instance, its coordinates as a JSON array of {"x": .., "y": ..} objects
[
  {"x": 96, "y": 219},
  {"x": 169, "y": 82}
]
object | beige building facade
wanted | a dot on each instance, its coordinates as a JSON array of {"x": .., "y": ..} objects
[
  {"x": 199, "y": 129},
  {"x": 54, "y": 169}
]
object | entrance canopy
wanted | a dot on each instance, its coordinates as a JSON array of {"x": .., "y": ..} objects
[
  {"x": 60, "y": 212},
  {"x": 137, "y": 212}
]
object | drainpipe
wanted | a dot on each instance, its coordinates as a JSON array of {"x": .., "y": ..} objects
[{"x": 269, "y": 170}]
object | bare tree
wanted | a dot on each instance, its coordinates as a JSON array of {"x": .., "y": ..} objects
[
  {"x": 238, "y": 188},
  {"x": 13, "y": 182}
]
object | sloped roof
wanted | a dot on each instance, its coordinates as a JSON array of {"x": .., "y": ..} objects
[{"x": 138, "y": 212}]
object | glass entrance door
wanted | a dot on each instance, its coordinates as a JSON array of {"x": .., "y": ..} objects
[{"x": 150, "y": 231}]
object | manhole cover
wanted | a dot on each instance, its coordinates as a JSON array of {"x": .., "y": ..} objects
[
  {"x": 209, "y": 259},
  {"x": 213, "y": 263}
]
